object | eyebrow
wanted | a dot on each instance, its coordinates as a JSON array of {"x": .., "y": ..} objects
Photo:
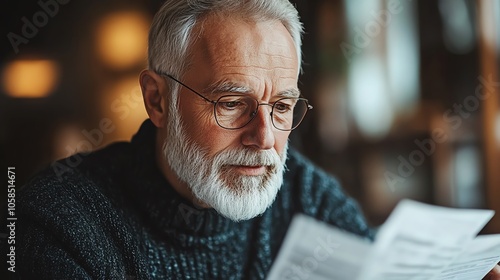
[
  {"x": 293, "y": 92},
  {"x": 232, "y": 87}
]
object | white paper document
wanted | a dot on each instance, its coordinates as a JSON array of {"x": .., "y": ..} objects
[
  {"x": 476, "y": 260},
  {"x": 418, "y": 241}
]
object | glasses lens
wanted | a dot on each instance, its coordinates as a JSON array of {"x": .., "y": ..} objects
[
  {"x": 234, "y": 112},
  {"x": 289, "y": 112}
]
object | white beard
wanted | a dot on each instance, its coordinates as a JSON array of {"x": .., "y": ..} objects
[{"x": 234, "y": 196}]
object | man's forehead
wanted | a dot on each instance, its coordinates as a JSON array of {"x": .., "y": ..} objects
[
  {"x": 258, "y": 57},
  {"x": 229, "y": 86},
  {"x": 236, "y": 39}
]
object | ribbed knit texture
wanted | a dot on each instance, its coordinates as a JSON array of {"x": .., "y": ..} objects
[{"x": 114, "y": 216}]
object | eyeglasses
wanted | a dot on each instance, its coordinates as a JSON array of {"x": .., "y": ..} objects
[{"x": 236, "y": 111}]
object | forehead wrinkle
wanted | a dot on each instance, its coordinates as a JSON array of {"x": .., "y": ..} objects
[
  {"x": 259, "y": 67},
  {"x": 226, "y": 86},
  {"x": 267, "y": 52},
  {"x": 279, "y": 56}
]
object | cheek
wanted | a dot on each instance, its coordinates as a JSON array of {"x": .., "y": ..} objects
[
  {"x": 281, "y": 139},
  {"x": 196, "y": 117},
  {"x": 203, "y": 129},
  {"x": 200, "y": 123},
  {"x": 203, "y": 118}
]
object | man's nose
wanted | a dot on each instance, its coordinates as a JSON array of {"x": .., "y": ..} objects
[{"x": 259, "y": 133}]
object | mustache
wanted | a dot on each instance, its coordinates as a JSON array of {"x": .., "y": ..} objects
[{"x": 245, "y": 156}]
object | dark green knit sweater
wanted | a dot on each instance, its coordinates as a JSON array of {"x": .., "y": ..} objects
[{"x": 114, "y": 216}]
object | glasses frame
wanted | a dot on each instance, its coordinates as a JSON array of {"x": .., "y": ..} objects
[{"x": 214, "y": 102}]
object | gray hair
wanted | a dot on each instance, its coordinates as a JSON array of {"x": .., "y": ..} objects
[{"x": 170, "y": 34}]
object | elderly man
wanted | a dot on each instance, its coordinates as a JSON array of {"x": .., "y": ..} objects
[{"x": 208, "y": 186}]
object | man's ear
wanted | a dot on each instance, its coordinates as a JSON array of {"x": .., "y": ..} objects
[{"x": 151, "y": 85}]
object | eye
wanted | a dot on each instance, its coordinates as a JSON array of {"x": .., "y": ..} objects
[
  {"x": 233, "y": 104},
  {"x": 282, "y": 106},
  {"x": 230, "y": 104}
]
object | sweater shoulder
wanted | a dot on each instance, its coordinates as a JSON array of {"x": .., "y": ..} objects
[
  {"x": 312, "y": 191},
  {"x": 72, "y": 208},
  {"x": 83, "y": 169},
  {"x": 80, "y": 184}
]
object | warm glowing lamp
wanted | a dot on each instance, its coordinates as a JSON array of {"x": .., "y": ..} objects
[
  {"x": 30, "y": 78},
  {"x": 124, "y": 106},
  {"x": 122, "y": 39}
]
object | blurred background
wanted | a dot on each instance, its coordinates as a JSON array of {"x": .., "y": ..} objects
[{"x": 405, "y": 93}]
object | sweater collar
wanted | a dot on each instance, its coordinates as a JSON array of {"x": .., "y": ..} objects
[{"x": 165, "y": 209}]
